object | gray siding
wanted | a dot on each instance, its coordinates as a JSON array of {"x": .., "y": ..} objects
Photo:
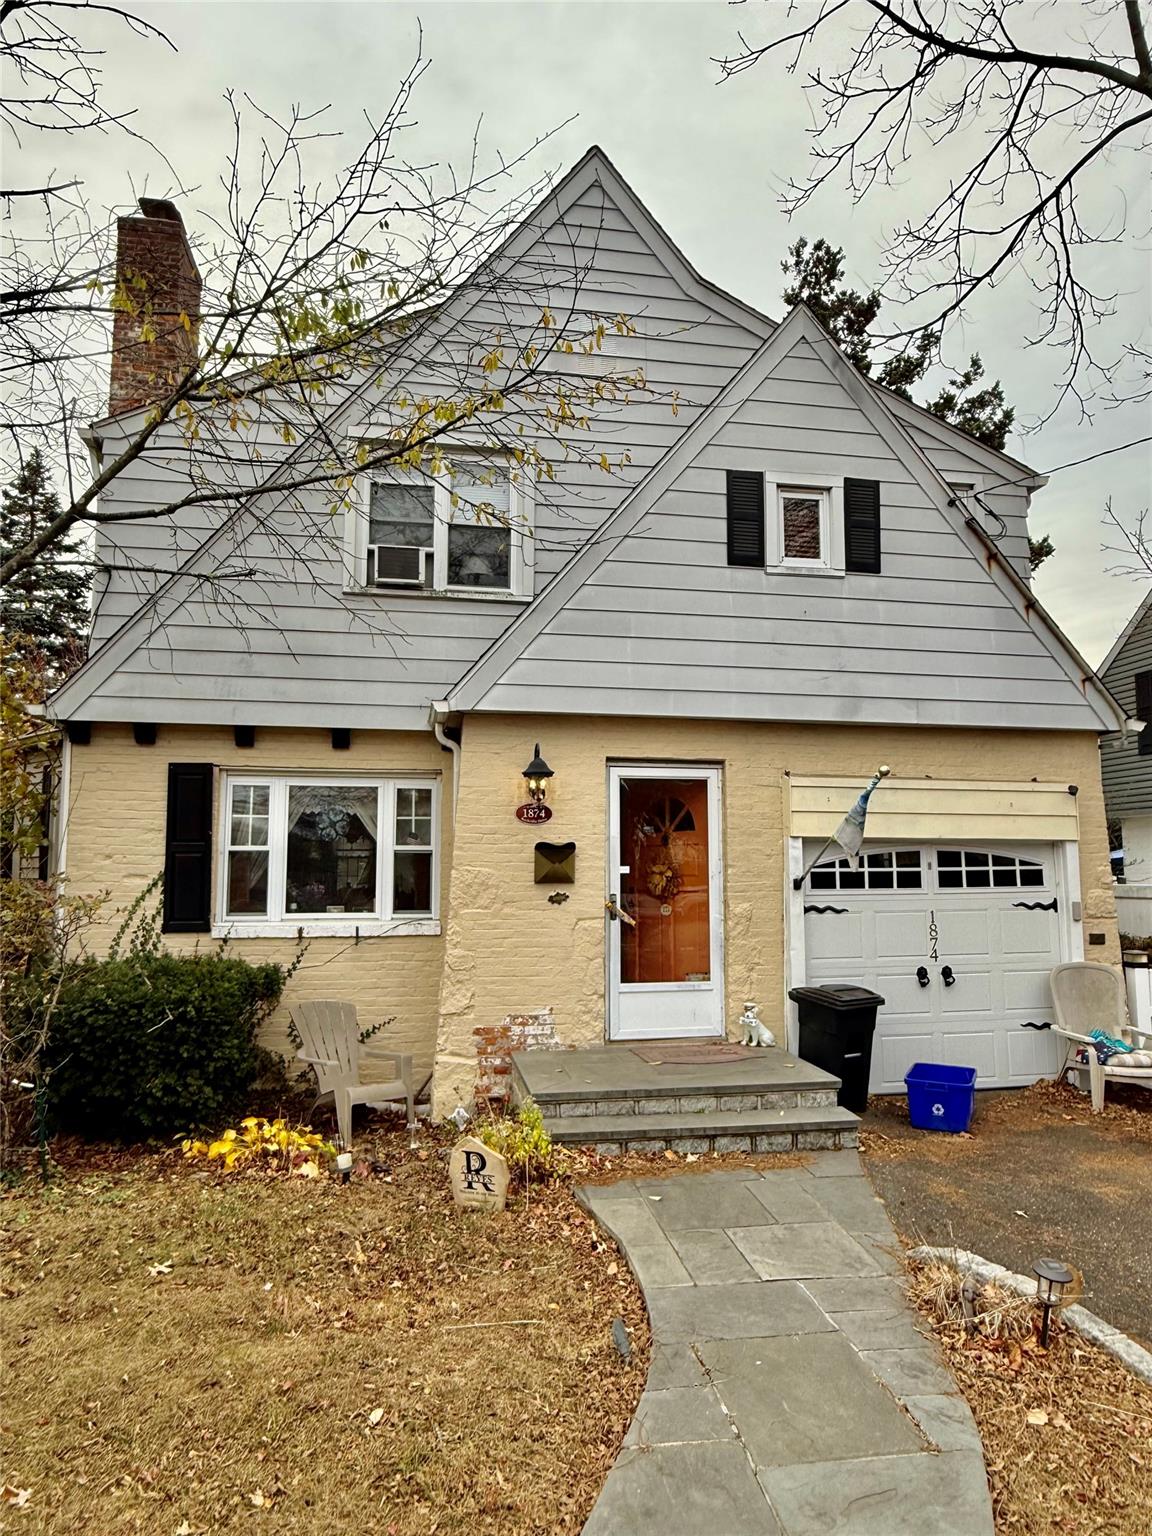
[
  {"x": 932, "y": 639},
  {"x": 664, "y": 626},
  {"x": 294, "y": 644},
  {"x": 1127, "y": 776}
]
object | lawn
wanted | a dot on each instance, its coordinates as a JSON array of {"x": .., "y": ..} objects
[{"x": 191, "y": 1352}]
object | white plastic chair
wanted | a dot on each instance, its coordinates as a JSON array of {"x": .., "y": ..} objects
[
  {"x": 333, "y": 1050},
  {"x": 1090, "y": 996}
]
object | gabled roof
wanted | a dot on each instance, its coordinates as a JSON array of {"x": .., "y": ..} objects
[
  {"x": 593, "y": 168},
  {"x": 473, "y": 688},
  {"x": 1122, "y": 638}
]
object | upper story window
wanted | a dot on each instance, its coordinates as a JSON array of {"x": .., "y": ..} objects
[
  {"x": 466, "y": 530},
  {"x": 821, "y": 524},
  {"x": 805, "y": 516},
  {"x": 342, "y": 853}
]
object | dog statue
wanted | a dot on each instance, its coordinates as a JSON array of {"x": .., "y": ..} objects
[{"x": 756, "y": 1032}]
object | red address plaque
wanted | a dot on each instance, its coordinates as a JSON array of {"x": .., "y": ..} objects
[{"x": 533, "y": 813}]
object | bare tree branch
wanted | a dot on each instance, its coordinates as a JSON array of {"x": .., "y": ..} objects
[{"x": 918, "y": 72}]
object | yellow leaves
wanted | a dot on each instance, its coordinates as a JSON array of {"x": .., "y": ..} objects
[
  {"x": 272, "y": 1144},
  {"x": 604, "y": 464},
  {"x": 546, "y": 319},
  {"x": 186, "y": 322},
  {"x": 287, "y": 433}
]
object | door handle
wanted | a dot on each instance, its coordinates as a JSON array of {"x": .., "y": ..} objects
[
  {"x": 947, "y": 977},
  {"x": 922, "y": 976},
  {"x": 616, "y": 912}
]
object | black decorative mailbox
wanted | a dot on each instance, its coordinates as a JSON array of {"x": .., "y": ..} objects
[{"x": 555, "y": 863}]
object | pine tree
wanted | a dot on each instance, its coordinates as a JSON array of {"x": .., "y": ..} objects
[
  {"x": 817, "y": 272},
  {"x": 44, "y": 608}
]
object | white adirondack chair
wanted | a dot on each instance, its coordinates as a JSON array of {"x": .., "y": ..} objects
[
  {"x": 333, "y": 1050},
  {"x": 1090, "y": 996}
]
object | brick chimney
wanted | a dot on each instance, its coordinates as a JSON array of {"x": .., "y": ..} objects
[{"x": 155, "y": 268}]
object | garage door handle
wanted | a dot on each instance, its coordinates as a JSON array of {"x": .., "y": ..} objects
[
  {"x": 922, "y": 976},
  {"x": 947, "y": 977}
]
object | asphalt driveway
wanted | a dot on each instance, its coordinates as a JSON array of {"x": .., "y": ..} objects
[{"x": 1039, "y": 1176}]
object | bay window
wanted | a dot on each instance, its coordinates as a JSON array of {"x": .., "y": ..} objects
[{"x": 326, "y": 854}]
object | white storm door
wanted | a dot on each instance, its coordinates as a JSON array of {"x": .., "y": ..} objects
[{"x": 665, "y": 873}]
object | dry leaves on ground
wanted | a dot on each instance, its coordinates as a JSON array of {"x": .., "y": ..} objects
[
  {"x": 1067, "y": 1431},
  {"x": 193, "y": 1351}
]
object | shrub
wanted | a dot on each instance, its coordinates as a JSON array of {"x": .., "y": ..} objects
[
  {"x": 271, "y": 1145},
  {"x": 521, "y": 1139},
  {"x": 157, "y": 1044}
]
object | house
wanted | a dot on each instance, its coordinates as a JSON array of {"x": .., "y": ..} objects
[
  {"x": 1126, "y": 766},
  {"x": 794, "y": 577}
]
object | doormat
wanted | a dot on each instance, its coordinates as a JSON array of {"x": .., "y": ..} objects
[{"x": 691, "y": 1053}]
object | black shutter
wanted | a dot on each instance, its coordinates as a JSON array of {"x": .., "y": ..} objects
[
  {"x": 862, "y": 526},
  {"x": 745, "y": 517},
  {"x": 188, "y": 849},
  {"x": 1144, "y": 712}
]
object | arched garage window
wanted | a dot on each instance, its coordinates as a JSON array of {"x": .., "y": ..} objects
[
  {"x": 973, "y": 869},
  {"x": 898, "y": 870}
]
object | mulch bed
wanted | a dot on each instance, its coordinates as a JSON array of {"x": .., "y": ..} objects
[{"x": 192, "y": 1352}]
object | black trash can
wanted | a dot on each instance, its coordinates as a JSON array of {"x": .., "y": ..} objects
[{"x": 836, "y": 1028}]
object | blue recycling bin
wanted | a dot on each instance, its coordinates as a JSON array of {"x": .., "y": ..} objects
[{"x": 940, "y": 1098}]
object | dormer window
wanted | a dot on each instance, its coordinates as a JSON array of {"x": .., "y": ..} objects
[{"x": 465, "y": 530}]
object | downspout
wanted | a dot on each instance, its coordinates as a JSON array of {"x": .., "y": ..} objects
[{"x": 438, "y": 713}]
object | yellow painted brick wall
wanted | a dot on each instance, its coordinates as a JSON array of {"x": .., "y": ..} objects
[
  {"x": 117, "y": 802},
  {"x": 508, "y": 951}
]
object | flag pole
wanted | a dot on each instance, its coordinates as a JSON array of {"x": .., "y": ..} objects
[{"x": 881, "y": 773}]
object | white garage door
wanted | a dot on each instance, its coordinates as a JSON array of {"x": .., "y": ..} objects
[{"x": 959, "y": 941}]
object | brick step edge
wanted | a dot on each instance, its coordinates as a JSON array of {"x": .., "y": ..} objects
[
  {"x": 567, "y": 1107},
  {"x": 805, "y": 1130}
]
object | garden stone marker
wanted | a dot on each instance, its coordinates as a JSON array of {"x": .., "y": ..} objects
[{"x": 479, "y": 1176}]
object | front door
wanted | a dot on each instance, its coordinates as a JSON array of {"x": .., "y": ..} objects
[{"x": 665, "y": 941}]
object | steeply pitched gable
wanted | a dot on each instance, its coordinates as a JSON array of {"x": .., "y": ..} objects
[
  {"x": 650, "y": 619},
  {"x": 319, "y": 656}
]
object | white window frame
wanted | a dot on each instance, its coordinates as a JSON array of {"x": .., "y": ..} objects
[
  {"x": 280, "y": 923},
  {"x": 830, "y": 489},
  {"x": 521, "y": 517}
]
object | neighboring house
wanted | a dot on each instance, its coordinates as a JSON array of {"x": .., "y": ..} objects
[
  {"x": 1126, "y": 766},
  {"x": 798, "y": 577}
]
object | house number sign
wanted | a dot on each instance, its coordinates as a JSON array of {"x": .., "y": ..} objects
[{"x": 533, "y": 813}]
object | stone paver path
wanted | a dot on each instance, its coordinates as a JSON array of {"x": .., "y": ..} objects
[{"x": 790, "y": 1391}]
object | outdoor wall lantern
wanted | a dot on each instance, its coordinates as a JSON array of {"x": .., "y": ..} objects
[
  {"x": 536, "y": 776},
  {"x": 1052, "y": 1278}
]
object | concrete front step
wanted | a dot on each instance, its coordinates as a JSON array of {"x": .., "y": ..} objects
[
  {"x": 686, "y": 1101},
  {"x": 809, "y": 1129}
]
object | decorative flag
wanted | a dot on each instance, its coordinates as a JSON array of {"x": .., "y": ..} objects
[{"x": 850, "y": 833}]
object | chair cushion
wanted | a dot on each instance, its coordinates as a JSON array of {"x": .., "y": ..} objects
[{"x": 1134, "y": 1060}]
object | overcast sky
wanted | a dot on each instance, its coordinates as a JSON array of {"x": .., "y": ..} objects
[{"x": 709, "y": 159}]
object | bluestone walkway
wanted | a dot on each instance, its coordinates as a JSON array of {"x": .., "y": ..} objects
[{"x": 790, "y": 1392}]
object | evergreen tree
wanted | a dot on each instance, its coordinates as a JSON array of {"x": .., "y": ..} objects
[
  {"x": 817, "y": 272},
  {"x": 44, "y": 608}
]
